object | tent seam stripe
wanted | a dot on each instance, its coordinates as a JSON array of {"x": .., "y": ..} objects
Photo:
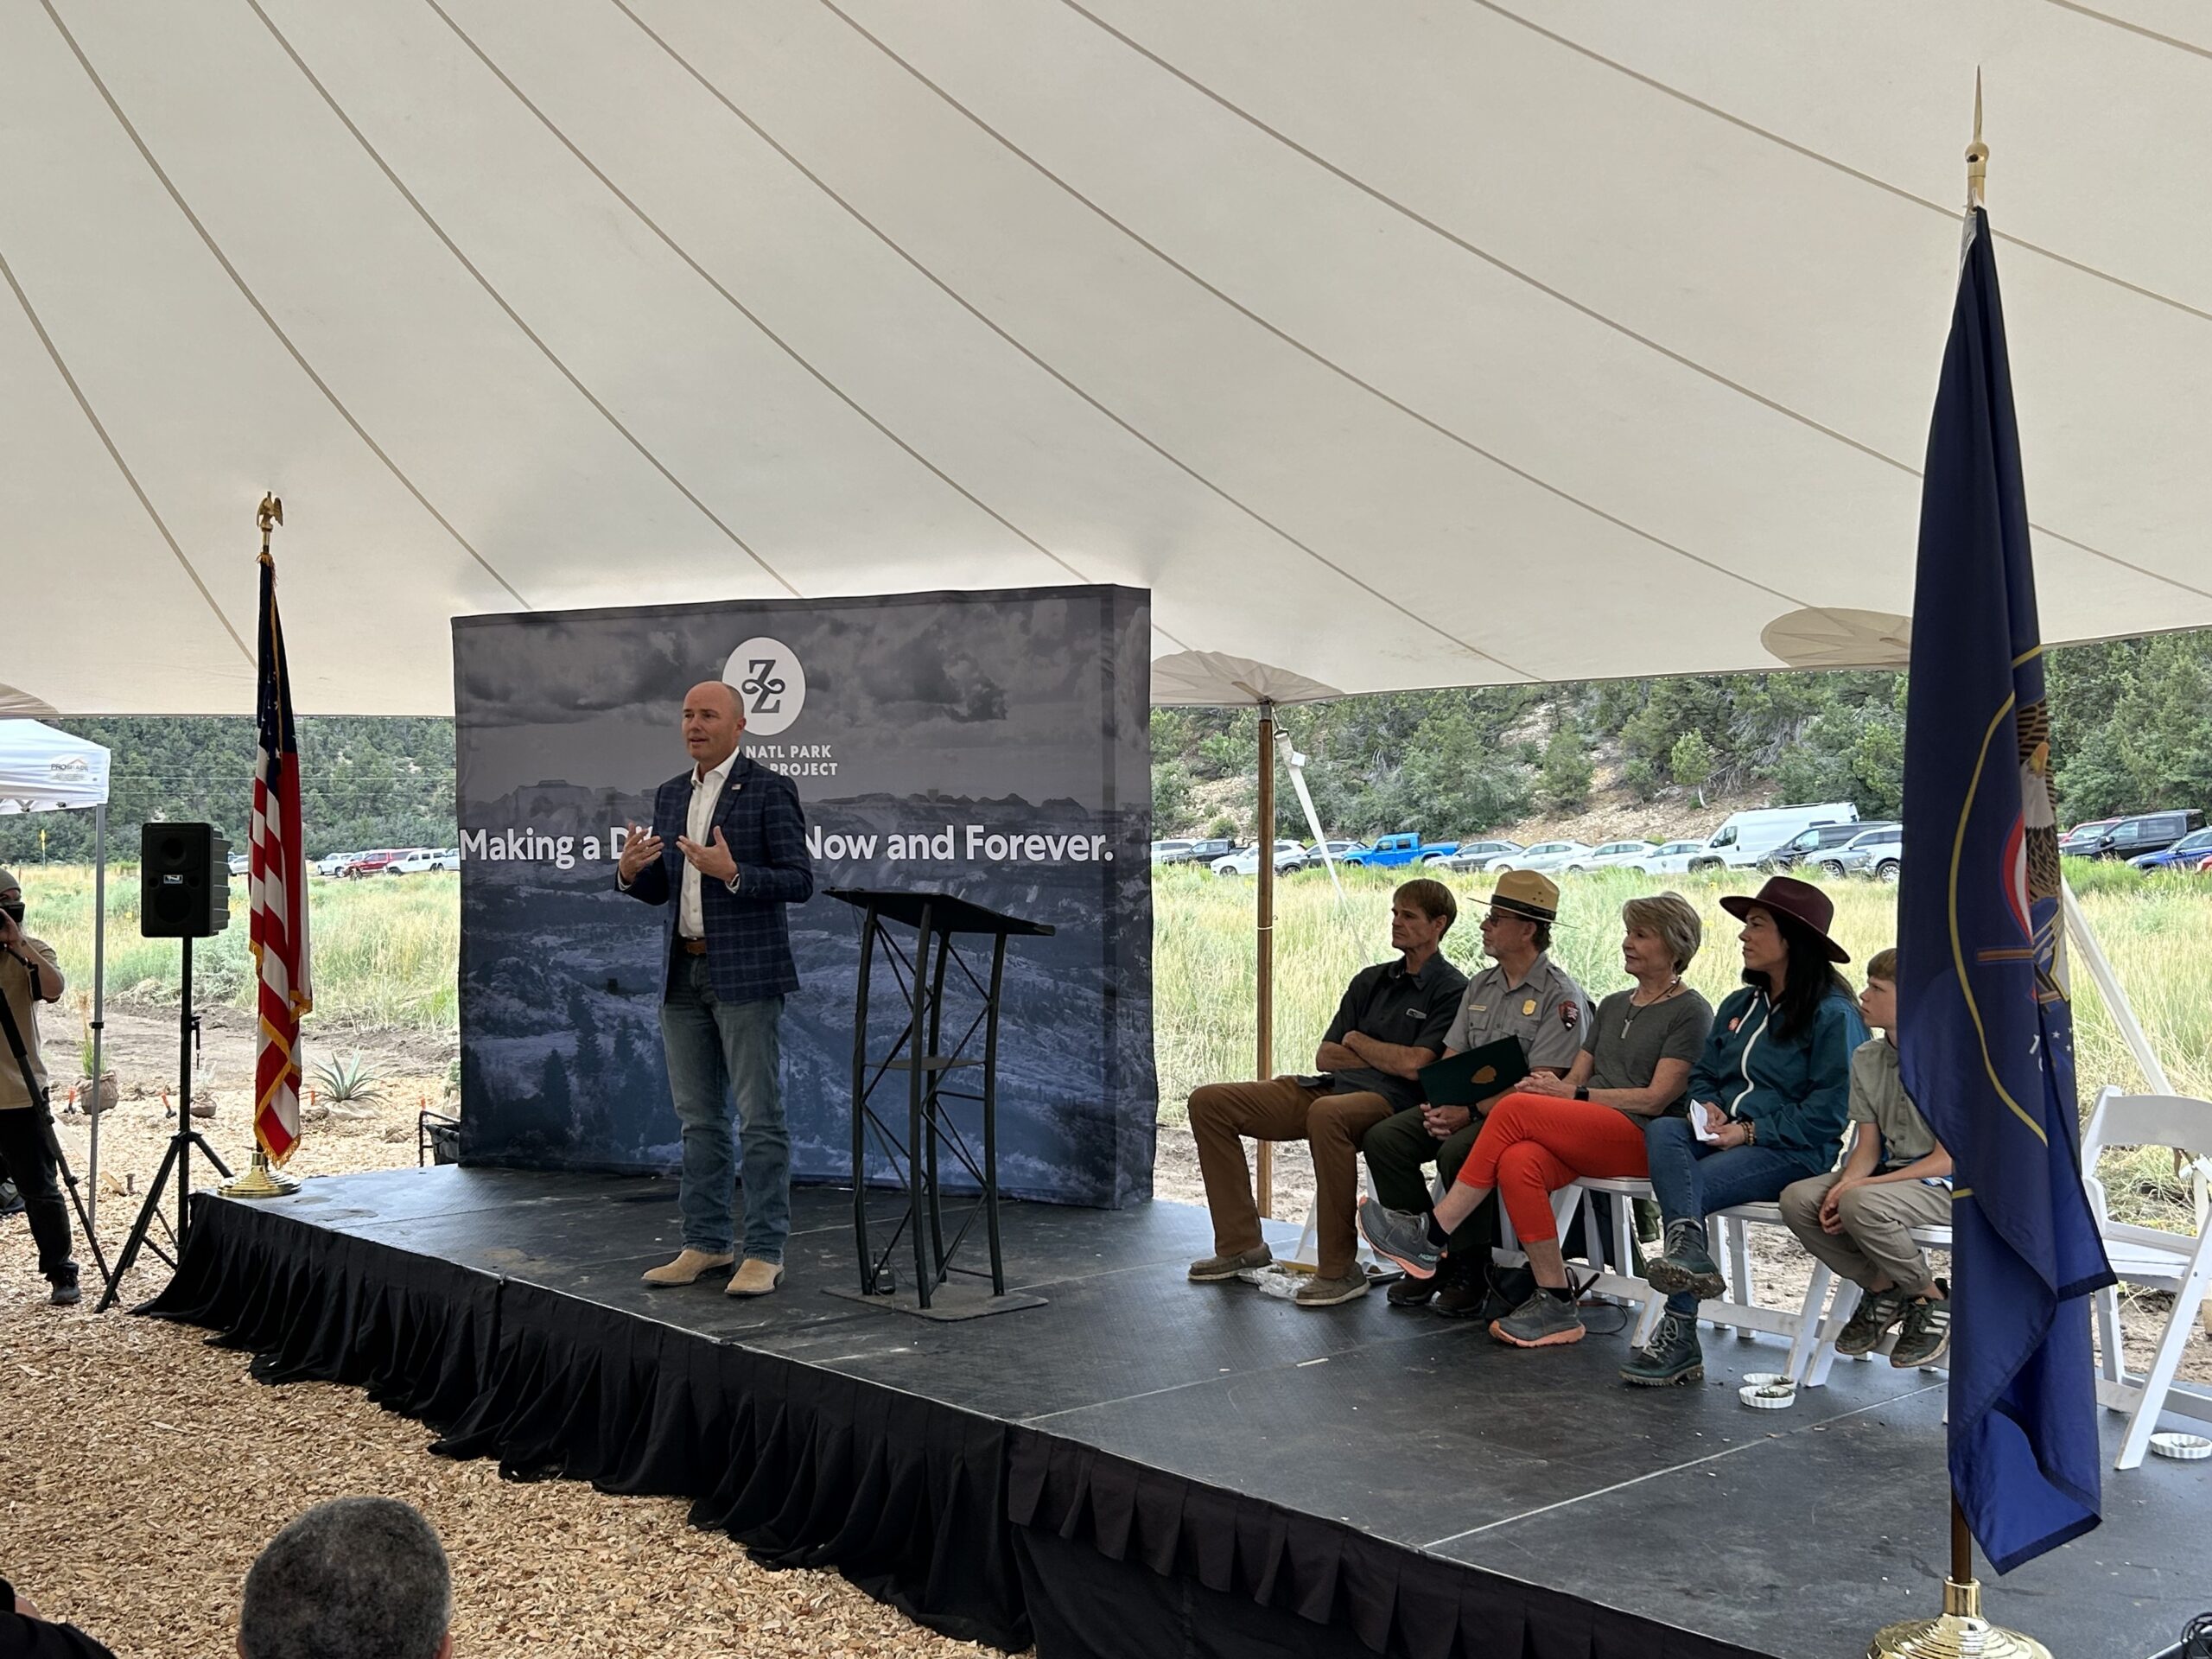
[
  {"x": 759, "y": 323},
  {"x": 1578, "y": 305},
  {"x": 252, "y": 299},
  {"x": 61, "y": 367},
  {"x": 2174, "y": 41},
  {"x": 501, "y": 299},
  {"x": 1298, "y": 344},
  {"x": 950, "y": 292},
  {"x": 1809, "y": 154}
]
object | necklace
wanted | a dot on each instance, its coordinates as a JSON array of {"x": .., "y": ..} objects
[{"x": 1636, "y": 1007}]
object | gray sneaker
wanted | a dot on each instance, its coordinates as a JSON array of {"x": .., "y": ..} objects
[
  {"x": 1870, "y": 1321},
  {"x": 1317, "y": 1292},
  {"x": 1687, "y": 1264},
  {"x": 1673, "y": 1356},
  {"x": 1927, "y": 1334},
  {"x": 1402, "y": 1237},
  {"x": 1544, "y": 1320},
  {"x": 1208, "y": 1269}
]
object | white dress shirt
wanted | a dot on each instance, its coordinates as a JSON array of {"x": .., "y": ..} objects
[{"x": 691, "y": 917}]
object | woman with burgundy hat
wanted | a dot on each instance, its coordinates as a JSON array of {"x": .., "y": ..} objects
[{"x": 1769, "y": 1094}]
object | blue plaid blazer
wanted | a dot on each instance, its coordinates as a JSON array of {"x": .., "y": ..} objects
[{"x": 748, "y": 935}]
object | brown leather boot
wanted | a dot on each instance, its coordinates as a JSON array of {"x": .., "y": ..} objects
[
  {"x": 1462, "y": 1292},
  {"x": 1410, "y": 1291}
]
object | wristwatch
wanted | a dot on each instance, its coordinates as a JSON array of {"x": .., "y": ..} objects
[{"x": 1582, "y": 1091}]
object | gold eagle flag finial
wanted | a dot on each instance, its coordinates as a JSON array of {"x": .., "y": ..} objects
[{"x": 269, "y": 515}]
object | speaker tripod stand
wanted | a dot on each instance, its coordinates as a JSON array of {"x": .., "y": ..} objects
[{"x": 177, "y": 1159}]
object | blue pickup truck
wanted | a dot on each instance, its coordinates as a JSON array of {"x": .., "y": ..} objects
[{"x": 1404, "y": 849}]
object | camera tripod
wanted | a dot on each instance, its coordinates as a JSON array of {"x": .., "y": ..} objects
[
  {"x": 40, "y": 1104},
  {"x": 177, "y": 1158}
]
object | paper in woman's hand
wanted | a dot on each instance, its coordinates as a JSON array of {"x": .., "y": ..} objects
[{"x": 1705, "y": 1122}]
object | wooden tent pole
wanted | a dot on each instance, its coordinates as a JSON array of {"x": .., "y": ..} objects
[{"x": 1266, "y": 870}]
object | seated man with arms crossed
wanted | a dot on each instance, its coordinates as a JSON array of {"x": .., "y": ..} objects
[
  {"x": 1391, "y": 1022},
  {"x": 1896, "y": 1176},
  {"x": 1523, "y": 994}
]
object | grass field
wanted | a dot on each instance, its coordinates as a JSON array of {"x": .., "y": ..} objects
[{"x": 385, "y": 950}]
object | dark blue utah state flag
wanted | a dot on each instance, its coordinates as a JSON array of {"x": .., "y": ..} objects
[{"x": 1985, "y": 1031}]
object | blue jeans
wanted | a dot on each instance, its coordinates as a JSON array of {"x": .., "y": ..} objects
[
  {"x": 1692, "y": 1178},
  {"x": 715, "y": 1049}
]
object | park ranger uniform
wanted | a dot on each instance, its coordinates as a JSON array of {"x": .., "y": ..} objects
[{"x": 1550, "y": 1014}]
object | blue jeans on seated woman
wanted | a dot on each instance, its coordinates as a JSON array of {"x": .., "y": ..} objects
[{"x": 1692, "y": 1177}]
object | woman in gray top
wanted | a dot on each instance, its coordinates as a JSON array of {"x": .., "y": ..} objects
[{"x": 1634, "y": 1065}]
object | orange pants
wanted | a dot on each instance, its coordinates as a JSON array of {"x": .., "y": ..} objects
[{"x": 1532, "y": 1145}]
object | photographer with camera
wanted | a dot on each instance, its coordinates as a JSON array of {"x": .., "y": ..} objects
[{"x": 29, "y": 975}]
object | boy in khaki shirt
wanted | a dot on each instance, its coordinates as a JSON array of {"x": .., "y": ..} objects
[{"x": 1896, "y": 1176}]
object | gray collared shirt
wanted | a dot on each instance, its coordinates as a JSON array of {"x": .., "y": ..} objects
[
  {"x": 1392, "y": 1006},
  {"x": 1546, "y": 1010}
]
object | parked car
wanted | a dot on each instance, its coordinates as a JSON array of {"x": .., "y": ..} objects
[
  {"x": 1338, "y": 850},
  {"x": 1745, "y": 838},
  {"x": 334, "y": 863},
  {"x": 1807, "y": 845},
  {"x": 2184, "y": 854},
  {"x": 1171, "y": 852},
  {"x": 1245, "y": 861},
  {"x": 1404, "y": 847},
  {"x": 2081, "y": 842},
  {"x": 1480, "y": 855},
  {"x": 239, "y": 863},
  {"x": 1617, "y": 854},
  {"x": 1545, "y": 856},
  {"x": 1878, "y": 852},
  {"x": 1206, "y": 850},
  {"x": 424, "y": 858},
  {"x": 1670, "y": 858},
  {"x": 2147, "y": 832},
  {"x": 374, "y": 863}
]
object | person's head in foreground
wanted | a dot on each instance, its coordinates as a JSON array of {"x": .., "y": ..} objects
[
  {"x": 1421, "y": 913},
  {"x": 1787, "y": 951},
  {"x": 357, "y": 1578}
]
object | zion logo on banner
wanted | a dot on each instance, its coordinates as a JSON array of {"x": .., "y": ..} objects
[{"x": 769, "y": 677}]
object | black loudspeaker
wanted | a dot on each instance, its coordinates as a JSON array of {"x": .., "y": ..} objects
[{"x": 184, "y": 882}]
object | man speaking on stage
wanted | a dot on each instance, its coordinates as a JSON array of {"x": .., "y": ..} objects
[{"x": 728, "y": 846}]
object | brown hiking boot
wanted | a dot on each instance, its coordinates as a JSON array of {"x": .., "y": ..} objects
[
  {"x": 1410, "y": 1291},
  {"x": 1462, "y": 1292},
  {"x": 1317, "y": 1292},
  {"x": 1211, "y": 1269}
]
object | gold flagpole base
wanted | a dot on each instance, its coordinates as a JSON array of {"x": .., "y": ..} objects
[
  {"x": 1959, "y": 1633},
  {"x": 261, "y": 1180}
]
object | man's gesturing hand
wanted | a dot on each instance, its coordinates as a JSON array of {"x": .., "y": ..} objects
[
  {"x": 639, "y": 849},
  {"x": 716, "y": 862}
]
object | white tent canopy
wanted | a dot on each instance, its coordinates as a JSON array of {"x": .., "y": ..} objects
[
  {"x": 1448, "y": 341},
  {"x": 43, "y": 769}
]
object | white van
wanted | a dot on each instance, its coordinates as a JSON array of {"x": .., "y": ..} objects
[{"x": 1745, "y": 838}]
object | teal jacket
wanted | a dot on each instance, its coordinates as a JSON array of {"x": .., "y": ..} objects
[{"x": 1797, "y": 1088}]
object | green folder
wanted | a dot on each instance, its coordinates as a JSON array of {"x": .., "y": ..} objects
[{"x": 1469, "y": 1079}]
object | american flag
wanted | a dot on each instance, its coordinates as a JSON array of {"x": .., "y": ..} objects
[{"x": 277, "y": 893}]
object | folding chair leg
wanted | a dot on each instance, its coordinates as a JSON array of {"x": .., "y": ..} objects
[
  {"x": 1847, "y": 1304},
  {"x": 2112, "y": 1364},
  {"x": 2160, "y": 1378},
  {"x": 1739, "y": 1270},
  {"x": 1808, "y": 1323}
]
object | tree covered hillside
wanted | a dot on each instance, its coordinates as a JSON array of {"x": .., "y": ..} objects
[{"x": 2132, "y": 719}]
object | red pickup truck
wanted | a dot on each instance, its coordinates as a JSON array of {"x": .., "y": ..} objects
[{"x": 376, "y": 863}]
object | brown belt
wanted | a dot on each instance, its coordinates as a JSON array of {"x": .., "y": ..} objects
[{"x": 693, "y": 947}]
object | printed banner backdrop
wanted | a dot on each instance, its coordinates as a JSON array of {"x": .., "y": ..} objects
[{"x": 991, "y": 745}]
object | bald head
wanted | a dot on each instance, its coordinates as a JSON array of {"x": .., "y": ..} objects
[{"x": 713, "y": 720}]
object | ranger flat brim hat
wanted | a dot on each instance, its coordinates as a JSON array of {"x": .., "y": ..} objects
[{"x": 1526, "y": 893}]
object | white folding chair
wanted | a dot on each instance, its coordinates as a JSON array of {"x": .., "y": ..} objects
[{"x": 2179, "y": 1262}]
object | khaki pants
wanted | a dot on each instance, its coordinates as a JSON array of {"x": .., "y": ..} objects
[
  {"x": 1221, "y": 1114},
  {"x": 1876, "y": 1241}
]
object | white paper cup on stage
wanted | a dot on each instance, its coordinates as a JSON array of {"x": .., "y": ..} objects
[{"x": 2189, "y": 1448}]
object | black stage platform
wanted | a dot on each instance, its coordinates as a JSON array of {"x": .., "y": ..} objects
[{"x": 1145, "y": 1465}]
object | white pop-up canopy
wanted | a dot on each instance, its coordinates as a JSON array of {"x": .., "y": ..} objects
[
  {"x": 1449, "y": 341},
  {"x": 43, "y": 769}
]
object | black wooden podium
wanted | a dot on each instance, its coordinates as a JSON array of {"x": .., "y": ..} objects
[{"x": 939, "y": 921}]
